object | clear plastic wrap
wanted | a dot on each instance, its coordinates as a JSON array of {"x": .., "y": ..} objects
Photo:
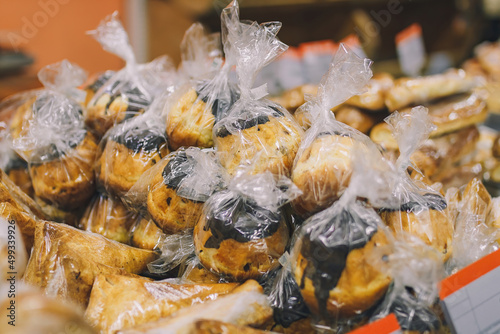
[
  {"x": 411, "y": 91},
  {"x": 109, "y": 217},
  {"x": 417, "y": 270},
  {"x": 198, "y": 104},
  {"x": 333, "y": 255},
  {"x": 285, "y": 297},
  {"x": 36, "y": 313},
  {"x": 173, "y": 191},
  {"x": 130, "y": 91},
  {"x": 65, "y": 261},
  {"x": 246, "y": 305},
  {"x": 242, "y": 232},
  {"x": 129, "y": 149},
  {"x": 175, "y": 250},
  {"x": 121, "y": 302},
  {"x": 13, "y": 255},
  {"x": 192, "y": 271},
  {"x": 59, "y": 149},
  {"x": 373, "y": 99},
  {"x": 322, "y": 167},
  {"x": 415, "y": 207},
  {"x": 256, "y": 131},
  {"x": 475, "y": 235},
  {"x": 146, "y": 235},
  {"x": 95, "y": 83}
]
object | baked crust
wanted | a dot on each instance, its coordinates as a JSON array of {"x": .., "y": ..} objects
[{"x": 190, "y": 122}]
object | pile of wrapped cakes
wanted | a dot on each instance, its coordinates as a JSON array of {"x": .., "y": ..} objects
[{"x": 162, "y": 200}]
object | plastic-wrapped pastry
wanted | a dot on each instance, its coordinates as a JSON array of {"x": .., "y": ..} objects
[
  {"x": 215, "y": 326},
  {"x": 174, "y": 190},
  {"x": 96, "y": 83},
  {"x": 475, "y": 234},
  {"x": 333, "y": 258},
  {"x": 196, "y": 106},
  {"x": 36, "y": 313},
  {"x": 246, "y": 305},
  {"x": 59, "y": 149},
  {"x": 109, "y": 217},
  {"x": 322, "y": 167},
  {"x": 13, "y": 255},
  {"x": 415, "y": 207},
  {"x": 120, "y": 302},
  {"x": 18, "y": 172},
  {"x": 193, "y": 272},
  {"x": 256, "y": 131},
  {"x": 24, "y": 220},
  {"x": 411, "y": 91},
  {"x": 65, "y": 261},
  {"x": 129, "y": 91},
  {"x": 294, "y": 98},
  {"x": 128, "y": 150},
  {"x": 242, "y": 232},
  {"x": 416, "y": 270},
  {"x": 146, "y": 235}
]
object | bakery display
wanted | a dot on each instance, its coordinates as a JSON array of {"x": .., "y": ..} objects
[{"x": 184, "y": 200}]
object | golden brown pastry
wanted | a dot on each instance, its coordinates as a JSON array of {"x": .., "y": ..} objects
[
  {"x": 424, "y": 216},
  {"x": 65, "y": 179},
  {"x": 374, "y": 98},
  {"x": 488, "y": 55},
  {"x": 25, "y": 221},
  {"x": 191, "y": 119},
  {"x": 302, "y": 326},
  {"x": 268, "y": 142},
  {"x": 238, "y": 239},
  {"x": 411, "y": 91},
  {"x": 356, "y": 118},
  {"x": 126, "y": 156},
  {"x": 65, "y": 261},
  {"x": 113, "y": 105},
  {"x": 246, "y": 305},
  {"x": 295, "y": 97},
  {"x": 37, "y": 313},
  {"x": 193, "y": 271},
  {"x": 146, "y": 235},
  {"x": 20, "y": 118},
  {"x": 322, "y": 172},
  {"x": 109, "y": 217},
  {"x": 120, "y": 302}
]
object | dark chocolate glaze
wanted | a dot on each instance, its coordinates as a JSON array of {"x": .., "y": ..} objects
[
  {"x": 239, "y": 219},
  {"x": 242, "y": 124},
  {"x": 16, "y": 162},
  {"x": 144, "y": 140},
  {"x": 222, "y": 103},
  {"x": 333, "y": 133},
  {"x": 325, "y": 246},
  {"x": 287, "y": 301},
  {"x": 412, "y": 316},
  {"x": 100, "y": 81},
  {"x": 429, "y": 202},
  {"x": 136, "y": 100},
  {"x": 172, "y": 174}
]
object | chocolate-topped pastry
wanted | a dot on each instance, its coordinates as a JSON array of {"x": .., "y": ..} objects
[
  {"x": 424, "y": 216},
  {"x": 96, "y": 84},
  {"x": 178, "y": 189},
  {"x": 239, "y": 239},
  {"x": 191, "y": 119},
  {"x": 128, "y": 152},
  {"x": 114, "y": 104},
  {"x": 334, "y": 262},
  {"x": 266, "y": 137}
]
